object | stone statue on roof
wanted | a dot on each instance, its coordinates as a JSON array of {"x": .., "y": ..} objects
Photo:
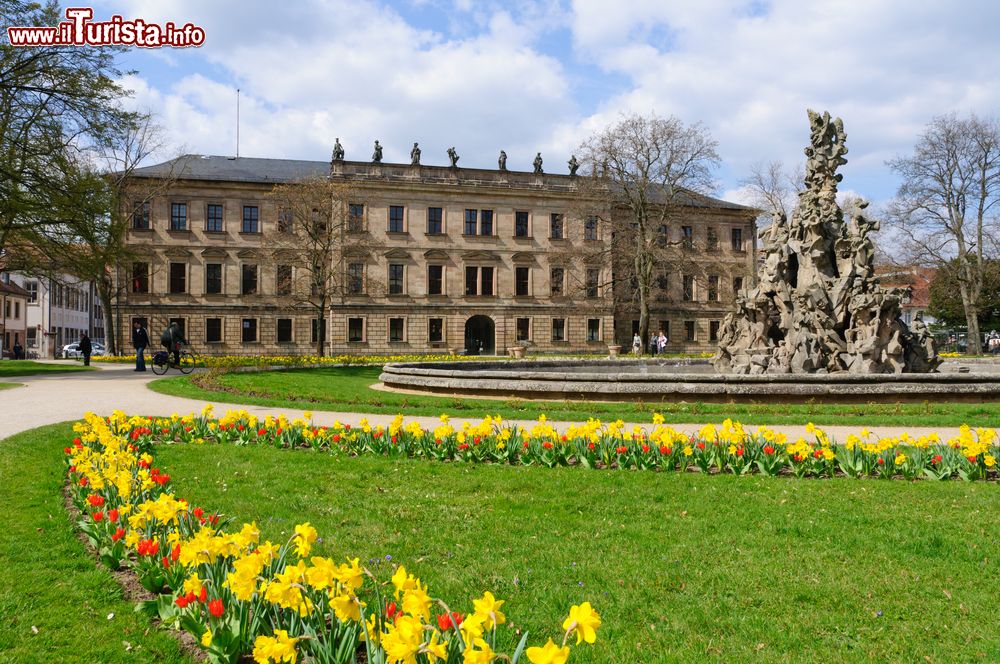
[
  {"x": 453, "y": 157},
  {"x": 415, "y": 155},
  {"x": 573, "y": 165},
  {"x": 338, "y": 150},
  {"x": 538, "y": 164},
  {"x": 377, "y": 155},
  {"x": 502, "y": 161}
]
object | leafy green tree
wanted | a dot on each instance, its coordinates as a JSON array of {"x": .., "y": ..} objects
[{"x": 946, "y": 301}]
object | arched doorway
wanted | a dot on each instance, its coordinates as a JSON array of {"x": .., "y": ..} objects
[{"x": 480, "y": 336}]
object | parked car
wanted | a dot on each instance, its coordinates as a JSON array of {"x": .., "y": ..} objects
[{"x": 73, "y": 350}]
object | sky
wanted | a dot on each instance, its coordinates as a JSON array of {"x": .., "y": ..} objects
[{"x": 542, "y": 76}]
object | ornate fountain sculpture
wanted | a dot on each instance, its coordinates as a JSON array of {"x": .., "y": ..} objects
[{"x": 817, "y": 306}]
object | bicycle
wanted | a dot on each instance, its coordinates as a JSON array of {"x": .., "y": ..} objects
[{"x": 161, "y": 362}]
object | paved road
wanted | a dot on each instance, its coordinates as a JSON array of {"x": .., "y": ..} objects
[{"x": 46, "y": 399}]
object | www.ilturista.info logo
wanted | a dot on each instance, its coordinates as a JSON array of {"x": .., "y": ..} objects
[{"x": 80, "y": 30}]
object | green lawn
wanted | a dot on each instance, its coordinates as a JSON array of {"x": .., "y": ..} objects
[
  {"x": 348, "y": 389},
  {"x": 7, "y": 386},
  {"x": 682, "y": 567},
  {"x": 48, "y": 581},
  {"x": 30, "y": 368}
]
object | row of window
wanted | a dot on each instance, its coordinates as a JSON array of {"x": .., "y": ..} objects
[
  {"x": 12, "y": 312},
  {"x": 711, "y": 237},
  {"x": 179, "y": 221},
  {"x": 690, "y": 330}
]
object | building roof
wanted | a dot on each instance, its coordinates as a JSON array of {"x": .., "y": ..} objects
[
  {"x": 917, "y": 279},
  {"x": 13, "y": 289},
  {"x": 259, "y": 170}
]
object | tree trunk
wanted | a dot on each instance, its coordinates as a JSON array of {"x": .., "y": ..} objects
[
  {"x": 110, "y": 331},
  {"x": 972, "y": 323},
  {"x": 321, "y": 331}
]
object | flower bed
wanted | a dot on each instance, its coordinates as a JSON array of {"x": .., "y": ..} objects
[{"x": 238, "y": 595}]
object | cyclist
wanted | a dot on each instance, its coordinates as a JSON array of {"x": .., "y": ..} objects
[{"x": 171, "y": 339}]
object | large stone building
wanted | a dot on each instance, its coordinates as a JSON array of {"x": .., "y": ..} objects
[{"x": 433, "y": 259}]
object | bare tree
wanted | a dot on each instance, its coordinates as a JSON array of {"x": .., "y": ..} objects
[
  {"x": 318, "y": 227},
  {"x": 772, "y": 188},
  {"x": 945, "y": 209},
  {"x": 646, "y": 171}
]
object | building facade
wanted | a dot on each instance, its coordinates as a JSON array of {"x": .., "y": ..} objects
[
  {"x": 59, "y": 308},
  {"x": 13, "y": 315},
  {"x": 433, "y": 259}
]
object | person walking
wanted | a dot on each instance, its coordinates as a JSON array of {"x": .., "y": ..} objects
[
  {"x": 661, "y": 343},
  {"x": 85, "y": 348},
  {"x": 171, "y": 339},
  {"x": 652, "y": 343},
  {"x": 140, "y": 340},
  {"x": 637, "y": 345}
]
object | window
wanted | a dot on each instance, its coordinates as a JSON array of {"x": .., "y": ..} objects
[
  {"x": 213, "y": 330},
  {"x": 355, "y": 217},
  {"x": 32, "y": 337},
  {"x": 284, "y": 330},
  {"x": 523, "y": 329},
  {"x": 283, "y": 280},
  {"x": 688, "y": 288},
  {"x": 397, "y": 331},
  {"x": 689, "y": 330},
  {"x": 558, "y": 329},
  {"x": 355, "y": 278},
  {"x": 712, "y": 241},
  {"x": 314, "y": 336},
  {"x": 737, "y": 239},
  {"x": 557, "y": 278},
  {"x": 486, "y": 222},
  {"x": 355, "y": 330},
  {"x": 471, "y": 222},
  {"x": 435, "y": 280},
  {"x": 737, "y": 286},
  {"x": 140, "y": 217},
  {"x": 471, "y": 280},
  {"x": 395, "y": 279},
  {"x": 713, "y": 288},
  {"x": 593, "y": 329},
  {"x": 249, "y": 280},
  {"x": 286, "y": 220},
  {"x": 178, "y": 278},
  {"x": 688, "y": 233},
  {"x": 522, "y": 279},
  {"x": 662, "y": 235},
  {"x": 556, "y": 226},
  {"x": 435, "y": 330},
  {"x": 662, "y": 281},
  {"x": 713, "y": 330},
  {"x": 396, "y": 219},
  {"x": 213, "y": 278},
  {"x": 590, "y": 228},
  {"x": 435, "y": 225},
  {"x": 593, "y": 281},
  {"x": 17, "y": 310},
  {"x": 251, "y": 218},
  {"x": 180, "y": 325},
  {"x": 520, "y": 224},
  {"x": 178, "y": 216},
  {"x": 213, "y": 218},
  {"x": 249, "y": 331},
  {"x": 32, "y": 288}
]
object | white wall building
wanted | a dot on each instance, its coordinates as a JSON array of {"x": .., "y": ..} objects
[{"x": 59, "y": 308}]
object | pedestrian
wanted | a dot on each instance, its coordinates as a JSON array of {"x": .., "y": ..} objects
[
  {"x": 171, "y": 339},
  {"x": 85, "y": 348},
  {"x": 661, "y": 343},
  {"x": 652, "y": 343},
  {"x": 140, "y": 339},
  {"x": 637, "y": 345},
  {"x": 18, "y": 351}
]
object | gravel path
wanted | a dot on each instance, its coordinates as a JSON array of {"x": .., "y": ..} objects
[{"x": 46, "y": 399}]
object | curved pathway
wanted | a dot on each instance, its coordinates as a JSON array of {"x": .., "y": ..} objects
[{"x": 47, "y": 399}]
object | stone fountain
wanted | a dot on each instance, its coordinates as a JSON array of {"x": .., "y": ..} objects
[{"x": 817, "y": 306}]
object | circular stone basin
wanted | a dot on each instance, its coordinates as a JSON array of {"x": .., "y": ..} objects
[{"x": 686, "y": 380}]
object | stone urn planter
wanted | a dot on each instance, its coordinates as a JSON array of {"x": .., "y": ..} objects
[
  {"x": 613, "y": 350},
  {"x": 517, "y": 352}
]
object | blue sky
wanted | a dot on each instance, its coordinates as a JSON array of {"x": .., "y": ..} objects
[{"x": 542, "y": 76}]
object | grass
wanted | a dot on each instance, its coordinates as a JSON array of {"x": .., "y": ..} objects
[
  {"x": 31, "y": 368},
  {"x": 48, "y": 579},
  {"x": 681, "y": 566},
  {"x": 348, "y": 389},
  {"x": 7, "y": 386}
]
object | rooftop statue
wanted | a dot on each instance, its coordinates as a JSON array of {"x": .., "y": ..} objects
[
  {"x": 574, "y": 165},
  {"x": 538, "y": 164},
  {"x": 453, "y": 157},
  {"x": 415, "y": 155},
  {"x": 338, "y": 150},
  {"x": 377, "y": 155},
  {"x": 502, "y": 161},
  {"x": 817, "y": 306}
]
